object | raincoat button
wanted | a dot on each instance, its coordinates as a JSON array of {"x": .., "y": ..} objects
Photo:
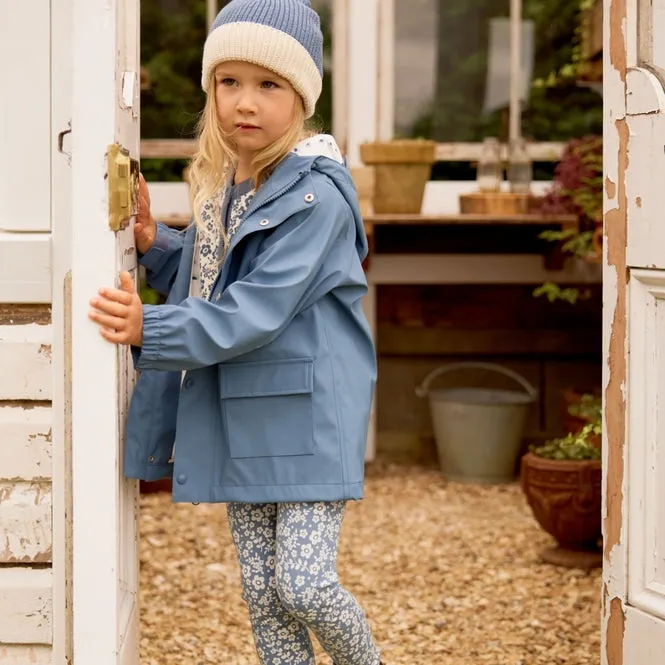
[
  {"x": 151, "y": 459},
  {"x": 264, "y": 222},
  {"x": 218, "y": 297},
  {"x": 309, "y": 198},
  {"x": 181, "y": 479},
  {"x": 188, "y": 384}
]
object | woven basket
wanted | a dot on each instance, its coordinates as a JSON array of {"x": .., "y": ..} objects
[
  {"x": 494, "y": 203},
  {"x": 401, "y": 169}
]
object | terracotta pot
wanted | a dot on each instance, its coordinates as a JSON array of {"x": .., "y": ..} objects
[
  {"x": 402, "y": 169},
  {"x": 565, "y": 497}
]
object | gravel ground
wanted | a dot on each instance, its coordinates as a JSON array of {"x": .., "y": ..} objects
[{"x": 448, "y": 574}]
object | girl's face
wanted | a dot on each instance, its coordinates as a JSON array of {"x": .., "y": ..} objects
[{"x": 254, "y": 106}]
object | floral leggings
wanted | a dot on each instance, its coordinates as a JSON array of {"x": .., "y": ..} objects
[{"x": 288, "y": 560}]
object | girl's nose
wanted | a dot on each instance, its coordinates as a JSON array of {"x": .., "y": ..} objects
[{"x": 247, "y": 102}]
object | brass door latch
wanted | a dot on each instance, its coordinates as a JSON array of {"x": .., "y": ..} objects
[{"x": 123, "y": 183}]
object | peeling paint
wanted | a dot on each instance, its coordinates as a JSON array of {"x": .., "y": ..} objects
[
  {"x": 615, "y": 416},
  {"x": 618, "y": 56},
  {"x": 45, "y": 350},
  {"x": 25, "y": 404},
  {"x": 25, "y": 522},
  {"x": 617, "y": 135},
  {"x": 13, "y": 315},
  {"x": 610, "y": 188},
  {"x": 616, "y": 628}
]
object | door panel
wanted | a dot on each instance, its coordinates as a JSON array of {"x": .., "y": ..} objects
[
  {"x": 646, "y": 449},
  {"x": 105, "y": 105},
  {"x": 633, "y": 613}
]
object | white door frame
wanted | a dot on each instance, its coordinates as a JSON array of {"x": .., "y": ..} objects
[
  {"x": 633, "y": 597},
  {"x": 105, "y": 109},
  {"x": 61, "y": 263}
]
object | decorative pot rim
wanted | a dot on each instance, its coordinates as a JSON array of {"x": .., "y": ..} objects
[{"x": 561, "y": 464}]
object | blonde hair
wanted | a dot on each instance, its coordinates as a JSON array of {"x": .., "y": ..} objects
[{"x": 213, "y": 163}]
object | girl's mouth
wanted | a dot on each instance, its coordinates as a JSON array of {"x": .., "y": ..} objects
[{"x": 247, "y": 128}]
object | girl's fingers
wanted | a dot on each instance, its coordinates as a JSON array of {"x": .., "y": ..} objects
[
  {"x": 127, "y": 283},
  {"x": 110, "y": 307},
  {"x": 115, "y": 295},
  {"x": 113, "y": 337},
  {"x": 144, "y": 192},
  {"x": 113, "y": 322}
]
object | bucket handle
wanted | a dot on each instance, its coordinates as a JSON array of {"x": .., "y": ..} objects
[{"x": 423, "y": 389}]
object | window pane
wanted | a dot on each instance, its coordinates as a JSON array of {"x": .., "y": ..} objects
[
  {"x": 172, "y": 36},
  {"x": 441, "y": 67},
  {"x": 568, "y": 110},
  {"x": 441, "y": 71}
]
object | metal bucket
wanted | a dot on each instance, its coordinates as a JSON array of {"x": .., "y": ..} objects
[{"x": 478, "y": 431}]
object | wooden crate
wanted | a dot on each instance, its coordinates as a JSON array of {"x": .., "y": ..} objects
[{"x": 494, "y": 203}]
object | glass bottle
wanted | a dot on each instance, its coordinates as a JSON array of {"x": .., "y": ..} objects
[
  {"x": 490, "y": 168},
  {"x": 520, "y": 167}
]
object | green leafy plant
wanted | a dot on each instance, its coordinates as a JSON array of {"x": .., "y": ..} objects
[
  {"x": 589, "y": 408},
  {"x": 577, "y": 67},
  {"x": 573, "y": 447},
  {"x": 578, "y": 243},
  {"x": 554, "y": 292}
]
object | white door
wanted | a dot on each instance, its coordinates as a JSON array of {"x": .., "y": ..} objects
[
  {"x": 634, "y": 334},
  {"x": 105, "y": 112}
]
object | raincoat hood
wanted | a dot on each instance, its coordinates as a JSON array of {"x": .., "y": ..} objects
[{"x": 322, "y": 154}]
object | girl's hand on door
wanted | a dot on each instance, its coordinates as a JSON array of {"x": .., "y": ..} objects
[
  {"x": 119, "y": 313},
  {"x": 145, "y": 229}
]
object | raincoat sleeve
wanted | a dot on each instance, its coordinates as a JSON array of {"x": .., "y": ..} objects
[
  {"x": 285, "y": 278},
  {"x": 161, "y": 261}
]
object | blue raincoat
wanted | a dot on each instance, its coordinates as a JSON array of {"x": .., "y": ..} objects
[{"x": 279, "y": 365}]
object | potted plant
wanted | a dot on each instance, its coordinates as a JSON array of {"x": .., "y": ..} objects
[
  {"x": 562, "y": 483},
  {"x": 578, "y": 190},
  {"x": 402, "y": 168},
  {"x": 582, "y": 408}
]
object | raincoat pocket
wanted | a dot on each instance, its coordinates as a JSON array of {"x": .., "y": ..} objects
[{"x": 267, "y": 407}]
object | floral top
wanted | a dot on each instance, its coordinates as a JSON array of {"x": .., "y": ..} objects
[
  {"x": 231, "y": 207},
  {"x": 235, "y": 200}
]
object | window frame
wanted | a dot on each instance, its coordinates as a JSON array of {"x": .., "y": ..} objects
[{"x": 364, "y": 96}]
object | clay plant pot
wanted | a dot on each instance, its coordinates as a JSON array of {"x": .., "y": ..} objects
[
  {"x": 402, "y": 169},
  {"x": 565, "y": 498}
]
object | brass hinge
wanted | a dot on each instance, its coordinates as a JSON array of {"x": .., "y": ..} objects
[{"x": 123, "y": 178}]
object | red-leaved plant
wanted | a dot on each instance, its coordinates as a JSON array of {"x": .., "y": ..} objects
[
  {"x": 578, "y": 182},
  {"x": 578, "y": 190}
]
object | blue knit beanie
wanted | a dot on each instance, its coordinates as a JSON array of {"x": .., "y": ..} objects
[{"x": 283, "y": 36}]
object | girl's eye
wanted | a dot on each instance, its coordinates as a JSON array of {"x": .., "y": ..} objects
[
  {"x": 227, "y": 81},
  {"x": 269, "y": 85}
]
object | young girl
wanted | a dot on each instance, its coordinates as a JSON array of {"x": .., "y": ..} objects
[{"x": 256, "y": 376}]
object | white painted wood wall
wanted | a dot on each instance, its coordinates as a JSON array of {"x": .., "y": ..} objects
[
  {"x": 30, "y": 94},
  {"x": 26, "y": 534}
]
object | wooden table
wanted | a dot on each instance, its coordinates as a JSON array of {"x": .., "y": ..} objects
[
  {"x": 456, "y": 268},
  {"x": 564, "y": 221}
]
